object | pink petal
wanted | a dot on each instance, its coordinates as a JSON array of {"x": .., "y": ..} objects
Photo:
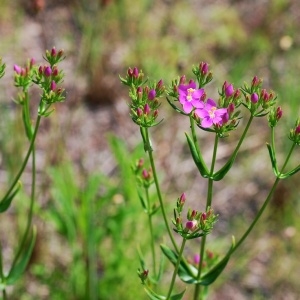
[
  {"x": 206, "y": 122},
  {"x": 187, "y": 107}
]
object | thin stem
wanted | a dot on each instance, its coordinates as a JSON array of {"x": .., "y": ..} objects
[
  {"x": 265, "y": 203},
  {"x": 208, "y": 204},
  {"x": 2, "y": 277},
  {"x": 150, "y": 153},
  {"x": 176, "y": 269},
  {"x": 151, "y": 232},
  {"x": 32, "y": 196},
  {"x": 25, "y": 159}
]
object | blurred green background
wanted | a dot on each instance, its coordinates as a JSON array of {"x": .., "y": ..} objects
[{"x": 88, "y": 214}]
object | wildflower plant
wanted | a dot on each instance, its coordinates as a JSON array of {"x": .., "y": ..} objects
[
  {"x": 48, "y": 78},
  {"x": 215, "y": 116}
]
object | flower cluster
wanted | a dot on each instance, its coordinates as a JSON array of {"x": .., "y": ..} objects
[
  {"x": 294, "y": 135},
  {"x": 258, "y": 100},
  {"x": 143, "y": 175},
  {"x": 197, "y": 224},
  {"x": 47, "y": 77},
  {"x": 144, "y": 98},
  {"x": 218, "y": 117}
]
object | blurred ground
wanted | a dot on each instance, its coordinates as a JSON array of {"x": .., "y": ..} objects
[{"x": 96, "y": 105}]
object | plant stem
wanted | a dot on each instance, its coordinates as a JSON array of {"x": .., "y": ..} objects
[
  {"x": 208, "y": 204},
  {"x": 176, "y": 269},
  {"x": 265, "y": 203},
  {"x": 32, "y": 196},
  {"x": 151, "y": 232},
  {"x": 25, "y": 159},
  {"x": 150, "y": 153},
  {"x": 2, "y": 277}
]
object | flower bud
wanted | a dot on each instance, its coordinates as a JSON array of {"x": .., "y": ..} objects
[
  {"x": 229, "y": 90},
  {"x": 182, "y": 79},
  {"x": 203, "y": 67},
  {"x": 182, "y": 199},
  {"x": 135, "y": 72},
  {"x": 146, "y": 109},
  {"x": 151, "y": 94},
  {"x": 52, "y": 85},
  {"x": 297, "y": 130},
  {"x": 53, "y": 52},
  {"x": 255, "y": 81},
  {"x": 155, "y": 114},
  {"x": 278, "y": 113},
  {"x": 130, "y": 72},
  {"x": 196, "y": 259},
  {"x": 230, "y": 108},
  {"x": 17, "y": 69},
  {"x": 191, "y": 225},
  {"x": 47, "y": 71},
  {"x": 254, "y": 98}
]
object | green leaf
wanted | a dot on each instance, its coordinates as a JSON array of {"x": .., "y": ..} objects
[
  {"x": 142, "y": 200},
  {"x": 219, "y": 175},
  {"x": 175, "y": 107},
  {"x": 273, "y": 159},
  {"x": 210, "y": 276},
  {"x": 197, "y": 158},
  {"x": 186, "y": 272},
  {"x": 152, "y": 295},
  {"x": 19, "y": 268},
  {"x": 178, "y": 296},
  {"x": 5, "y": 203}
]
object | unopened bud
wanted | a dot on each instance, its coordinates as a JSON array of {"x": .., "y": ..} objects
[{"x": 254, "y": 98}]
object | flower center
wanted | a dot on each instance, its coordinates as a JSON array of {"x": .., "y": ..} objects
[
  {"x": 211, "y": 112},
  {"x": 189, "y": 96}
]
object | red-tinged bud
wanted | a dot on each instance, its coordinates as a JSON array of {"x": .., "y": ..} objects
[
  {"x": 139, "y": 112},
  {"x": 203, "y": 67},
  {"x": 41, "y": 69},
  {"x": 55, "y": 71},
  {"x": 146, "y": 109},
  {"x": 140, "y": 163},
  {"x": 135, "y": 72},
  {"x": 59, "y": 91},
  {"x": 155, "y": 114},
  {"x": 278, "y": 113},
  {"x": 31, "y": 62},
  {"x": 175, "y": 89},
  {"x": 23, "y": 72},
  {"x": 237, "y": 94},
  {"x": 264, "y": 95},
  {"x": 255, "y": 81},
  {"x": 230, "y": 108},
  {"x": 53, "y": 52},
  {"x": 182, "y": 199},
  {"x": 130, "y": 72},
  {"x": 254, "y": 98},
  {"x": 159, "y": 85},
  {"x": 297, "y": 130},
  {"x": 145, "y": 174},
  {"x": 271, "y": 96},
  {"x": 209, "y": 254},
  {"x": 139, "y": 91},
  {"x": 47, "y": 71},
  {"x": 203, "y": 97},
  {"x": 225, "y": 118},
  {"x": 60, "y": 53},
  {"x": 178, "y": 221},
  {"x": 52, "y": 85},
  {"x": 203, "y": 216},
  {"x": 17, "y": 69},
  {"x": 193, "y": 214},
  {"x": 182, "y": 79}
]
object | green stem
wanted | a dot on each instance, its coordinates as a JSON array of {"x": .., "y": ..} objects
[
  {"x": 208, "y": 204},
  {"x": 32, "y": 196},
  {"x": 150, "y": 153},
  {"x": 2, "y": 277},
  {"x": 25, "y": 159},
  {"x": 176, "y": 269},
  {"x": 265, "y": 203},
  {"x": 151, "y": 232}
]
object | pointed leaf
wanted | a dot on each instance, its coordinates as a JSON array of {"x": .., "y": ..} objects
[
  {"x": 175, "y": 107},
  {"x": 186, "y": 272},
  {"x": 5, "y": 203},
  {"x": 197, "y": 158},
  {"x": 178, "y": 296},
  {"x": 224, "y": 170},
  {"x": 152, "y": 295},
  {"x": 21, "y": 265},
  {"x": 273, "y": 159},
  {"x": 142, "y": 200}
]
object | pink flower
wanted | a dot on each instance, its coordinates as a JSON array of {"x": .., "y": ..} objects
[
  {"x": 17, "y": 69},
  {"x": 210, "y": 114},
  {"x": 196, "y": 259},
  {"x": 189, "y": 97}
]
